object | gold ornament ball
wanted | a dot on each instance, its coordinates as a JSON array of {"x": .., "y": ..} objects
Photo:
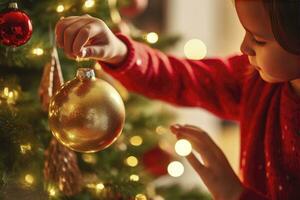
[{"x": 86, "y": 114}]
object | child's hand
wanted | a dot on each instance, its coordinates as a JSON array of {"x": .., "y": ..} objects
[
  {"x": 89, "y": 37},
  {"x": 215, "y": 172}
]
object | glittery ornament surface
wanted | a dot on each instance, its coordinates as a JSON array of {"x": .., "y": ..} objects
[
  {"x": 86, "y": 114},
  {"x": 15, "y": 27}
]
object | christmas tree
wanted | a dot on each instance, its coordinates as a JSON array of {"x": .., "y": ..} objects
[{"x": 33, "y": 164}]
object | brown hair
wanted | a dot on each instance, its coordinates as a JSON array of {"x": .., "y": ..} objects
[{"x": 285, "y": 21}]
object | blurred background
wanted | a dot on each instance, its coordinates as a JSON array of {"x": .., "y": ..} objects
[
  {"x": 216, "y": 25},
  {"x": 143, "y": 163}
]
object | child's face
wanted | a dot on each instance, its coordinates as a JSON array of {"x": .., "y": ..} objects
[{"x": 273, "y": 62}]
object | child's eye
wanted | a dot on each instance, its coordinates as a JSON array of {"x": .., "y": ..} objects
[{"x": 258, "y": 42}]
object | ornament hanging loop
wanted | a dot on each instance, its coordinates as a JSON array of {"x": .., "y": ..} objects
[
  {"x": 13, "y": 5},
  {"x": 84, "y": 74}
]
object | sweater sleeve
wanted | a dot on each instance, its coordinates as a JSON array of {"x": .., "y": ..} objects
[
  {"x": 213, "y": 84},
  {"x": 249, "y": 194}
]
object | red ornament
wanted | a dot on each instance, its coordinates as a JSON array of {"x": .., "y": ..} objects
[
  {"x": 134, "y": 8},
  {"x": 15, "y": 26},
  {"x": 156, "y": 161}
]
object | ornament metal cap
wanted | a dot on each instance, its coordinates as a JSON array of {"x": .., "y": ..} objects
[
  {"x": 85, "y": 74},
  {"x": 13, "y": 5}
]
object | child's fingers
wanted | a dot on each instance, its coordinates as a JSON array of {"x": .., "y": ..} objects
[
  {"x": 61, "y": 26},
  {"x": 201, "y": 169},
  {"x": 71, "y": 32},
  {"x": 87, "y": 32},
  {"x": 207, "y": 175},
  {"x": 201, "y": 142},
  {"x": 200, "y": 134}
]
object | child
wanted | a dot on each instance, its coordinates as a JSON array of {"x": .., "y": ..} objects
[{"x": 266, "y": 102}]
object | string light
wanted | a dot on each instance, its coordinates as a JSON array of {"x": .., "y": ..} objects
[
  {"x": 132, "y": 161},
  {"x": 175, "y": 169},
  {"x": 195, "y": 49},
  {"x": 158, "y": 198},
  {"x": 134, "y": 177},
  {"x": 38, "y": 51},
  {"x": 136, "y": 140},
  {"x": 11, "y": 96},
  {"x": 52, "y": 192},
  {"x": 60, "y": 8},
  {"x": 152, "y": 37},
  {"x": 183, "y": 147},
  {"x": 29, "y": 179},
  {"x": 140, "y": 197},
  {"x": 161, "y": 130},
  {"x": 89, "y": 158},
  {"x": 24, "y": 148},
  {"x": 89, "y": 3},
  {"x": 99, "y": 187}
]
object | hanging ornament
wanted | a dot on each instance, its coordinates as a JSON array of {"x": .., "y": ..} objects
[
  {"x": 100, "y": 73},
  {"x": 51, "y": 81},
  {"x": 61, "y": 167},
  {"x": 86, "y": 114},
  {"x": 15, "y": 26},
  {"x": 134, "y": 8},
  {"x": 156, "y": 161}
]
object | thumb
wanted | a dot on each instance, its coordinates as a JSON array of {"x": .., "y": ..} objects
[{"x": 92, "y": 52}]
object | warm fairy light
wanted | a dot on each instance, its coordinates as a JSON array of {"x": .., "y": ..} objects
[
  {"x": 195, "y": 49},
  {"x": 183, "y": 147},
  {"x": 89, "y": 3},
  {"x": 132, "y": 161},
  {"x": 175, "y": 169},
  {"x": 152, "y": 37},
  {"x": 122, "y": 146},
  {"x": 99, "y": 187},
  {"x": 136, "y": 140},
  {"x": 60, "y": 8},
  {"x": 161, "y": 130},
  {"x": 11, "y": 96},
  {"x": 25, "y": 148},
  {"x": 6, "y": 91},
  {"x": 29, "y": 179},
  {"x": 140, "y": 197},
  {"x": 52, "y": 191},
  {"x": 158, "y": 198},
  {"x": 134, "y": 177},
  {"x": 89, "y": 158},
  {"x": 38, "y": 51}
]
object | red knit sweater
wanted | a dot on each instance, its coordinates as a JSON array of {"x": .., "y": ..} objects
[{"x": 269, "y": 114}]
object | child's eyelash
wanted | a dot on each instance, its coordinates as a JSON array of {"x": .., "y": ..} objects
[{"x": 259, "y": 42}]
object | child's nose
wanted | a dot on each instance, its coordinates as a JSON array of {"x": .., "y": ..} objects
[{"x": 246, "y": 48}]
